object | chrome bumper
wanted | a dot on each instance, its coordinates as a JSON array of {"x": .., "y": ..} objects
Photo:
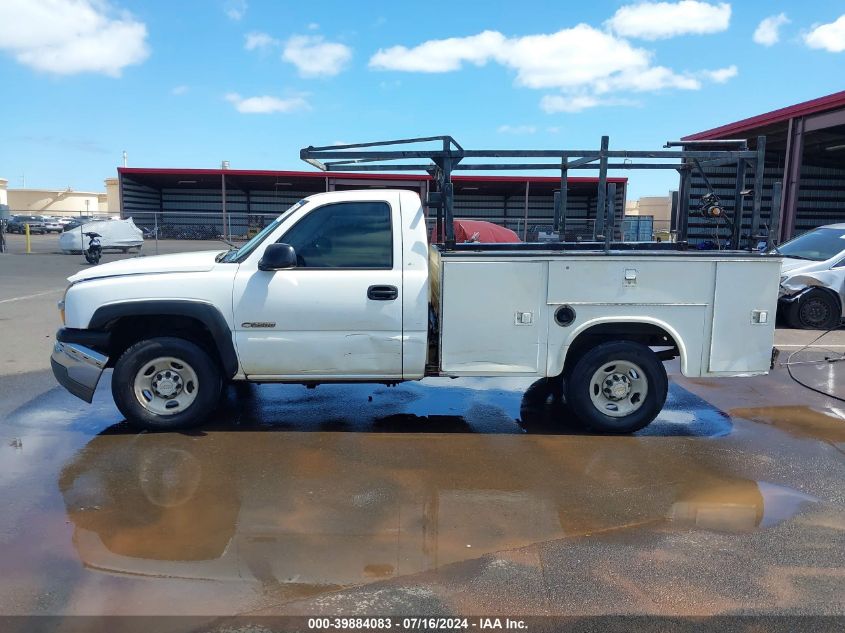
[{"x": 77, "y": 368}]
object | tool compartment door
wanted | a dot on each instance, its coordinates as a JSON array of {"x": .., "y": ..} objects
[
  {"x": 493, "y": 319},
  {"x": 739, "y": 344}
]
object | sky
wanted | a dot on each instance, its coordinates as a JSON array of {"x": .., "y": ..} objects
[{"x": 194, "y": 82}]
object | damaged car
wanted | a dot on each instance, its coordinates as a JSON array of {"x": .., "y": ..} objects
[{"x": 812, "y": 283}]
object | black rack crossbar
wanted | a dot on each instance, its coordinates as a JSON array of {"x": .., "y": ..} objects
[{"x": 448, "y": 155}]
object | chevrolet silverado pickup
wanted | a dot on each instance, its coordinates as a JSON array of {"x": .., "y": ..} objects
[{"x": 345, "y": 287}]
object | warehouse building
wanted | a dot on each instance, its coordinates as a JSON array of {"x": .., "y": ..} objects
[
  {"x": 60, "y": 202},
  {"x": 804, "y": 177},
  {"x": 192, "y": 203}
]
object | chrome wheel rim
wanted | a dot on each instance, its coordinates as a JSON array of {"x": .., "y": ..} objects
[
  {"x": 166, "y": 386},
  {"x": 618, "y": 388}
]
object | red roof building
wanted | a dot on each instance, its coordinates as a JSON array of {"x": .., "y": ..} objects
[
  {"x": 188, "y": 203},
  {"x": 805, "y": 153}
]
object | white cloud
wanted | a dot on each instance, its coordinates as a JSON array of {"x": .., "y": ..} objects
[
  {"x": 647, "y": 80},
  {"x": 516, "y": 129},
  {"x": 560, "y": 103},
  {"x": 660, "y": 20},
  {"x": 66, "y": 37},
  {"x": 266, "y": 104},
  {"x": 768, "y": 31},
  {"x": 830, "y": 37},
  {"x": 571, "y": 104},
  {"x": 257, "y": 40},
  {"x": 315, "y": 57},
  {"x": 235, "y": 9},
  {"x": 180, "y": 90},
  {"x": 553, "y": 61},
  {"x": 440, "y": 56},
  {"x": 721, "y": 75},
  {"x": 313, "y": 26}
]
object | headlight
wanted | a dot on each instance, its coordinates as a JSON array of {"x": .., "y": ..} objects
[
  {"x": 783, "y": 278},
  {"x": 61, "y": 304}
]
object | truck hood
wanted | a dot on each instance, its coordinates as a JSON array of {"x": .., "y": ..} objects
[{"x": 201, "y": 261}]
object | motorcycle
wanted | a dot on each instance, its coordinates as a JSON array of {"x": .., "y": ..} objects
[{"x": 95, "y": 249}]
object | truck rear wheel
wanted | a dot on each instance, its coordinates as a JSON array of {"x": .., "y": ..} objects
[
  {"x": 617, "y": 387},
  {"x": 165, "y": 383}
]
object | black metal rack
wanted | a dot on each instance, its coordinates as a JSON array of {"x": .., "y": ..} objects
[{"x": 449, "y": 157}]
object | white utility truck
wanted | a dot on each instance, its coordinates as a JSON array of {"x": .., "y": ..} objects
[{"x": 344, "y": 287}]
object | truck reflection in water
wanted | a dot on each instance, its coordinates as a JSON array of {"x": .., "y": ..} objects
[{"x": 316, "y": 510}]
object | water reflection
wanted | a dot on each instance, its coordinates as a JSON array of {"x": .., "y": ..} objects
[{"x": 325, "y": 509}]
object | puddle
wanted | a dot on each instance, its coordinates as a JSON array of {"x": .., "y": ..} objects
[
  {"x": 336, "y": 509},
  {"x": 801, "y": 422},
  {"x": 310, "y": 490}
]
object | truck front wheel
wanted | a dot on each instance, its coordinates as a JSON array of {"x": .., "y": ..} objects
[
  {"x": 617, "y": 387},
  {"x": 165, "y": 383}
]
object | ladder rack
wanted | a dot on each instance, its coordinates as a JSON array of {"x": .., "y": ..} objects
[{"x": 448, "y": 156}]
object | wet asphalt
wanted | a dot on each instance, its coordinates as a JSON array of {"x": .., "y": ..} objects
[{"x": 469, "y": 496}]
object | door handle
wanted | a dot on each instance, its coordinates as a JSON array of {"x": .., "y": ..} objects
[{"x": 382, "y": 293}]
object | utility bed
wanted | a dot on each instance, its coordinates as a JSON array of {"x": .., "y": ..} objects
[{"x": 516, "y": 309}]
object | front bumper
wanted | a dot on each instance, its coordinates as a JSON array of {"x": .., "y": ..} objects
[{"x": 77, "y": 368}]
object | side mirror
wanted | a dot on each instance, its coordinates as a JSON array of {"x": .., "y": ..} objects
[{"x": 278, "y": 257}]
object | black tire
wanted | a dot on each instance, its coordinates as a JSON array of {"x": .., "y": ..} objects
[
  {"x": 579, "y": 385},
  {"x": 542, "y": 392},
  {"x": 133, "y": 360},
  {"x": 815, "y": 310}
]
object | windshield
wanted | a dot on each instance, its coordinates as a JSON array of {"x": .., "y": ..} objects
[
  {"x": 238, "y": 254},
  {"x": 816, "y": 245}
]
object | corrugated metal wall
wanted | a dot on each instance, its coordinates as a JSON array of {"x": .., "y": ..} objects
[
  {"x": 196, "y": 213},
  {"x": 821, "y": 198}
]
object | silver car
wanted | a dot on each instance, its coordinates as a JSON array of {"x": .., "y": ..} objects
[
  {"x": 812, "y": 283},
  {"x": 51, "y": 224}
]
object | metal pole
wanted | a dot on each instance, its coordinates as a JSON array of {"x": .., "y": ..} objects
[
  {"x": 448, "y": 195},
  {"x": 774, "y": 222},
  {"x": 525, "y": 226},
  {"x": 738, "y": 201},
  {"x": 610, "y": 219},
  {"x": 683, "y": 205},
  {"x": 792, "y": 184},
  {"x": 791, "y": 177},
  {"x": 160, "y": 212},
  {"x": 560, "y": 224},
  {"x": 223, "y": 197},
  {"x": 602, "y": 193},
  {"x": 759, "y": 174}
]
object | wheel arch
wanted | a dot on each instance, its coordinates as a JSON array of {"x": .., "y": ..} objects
[
  {"x": 128, "y": 321},
  {"x": 647, "y": 330}
]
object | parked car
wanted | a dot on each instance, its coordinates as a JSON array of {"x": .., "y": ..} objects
[
  {"x": 812, "y": 283},
  {"x": 51, "y": 224},
  {"x": 344, "y": 287},
  {"x": 118, "y": 235},
  {"x": 17, "y": 224}
]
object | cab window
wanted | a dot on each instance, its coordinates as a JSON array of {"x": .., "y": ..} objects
[{"x": 344, "y": 235}]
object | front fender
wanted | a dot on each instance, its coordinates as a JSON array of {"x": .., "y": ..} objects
[{"x": 206, "y": 313}]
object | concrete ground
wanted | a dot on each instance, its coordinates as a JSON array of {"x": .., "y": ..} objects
[{"x": 439, "y": 497}]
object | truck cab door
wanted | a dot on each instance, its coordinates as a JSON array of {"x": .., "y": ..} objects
[{"x": 338, "y": 313}]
